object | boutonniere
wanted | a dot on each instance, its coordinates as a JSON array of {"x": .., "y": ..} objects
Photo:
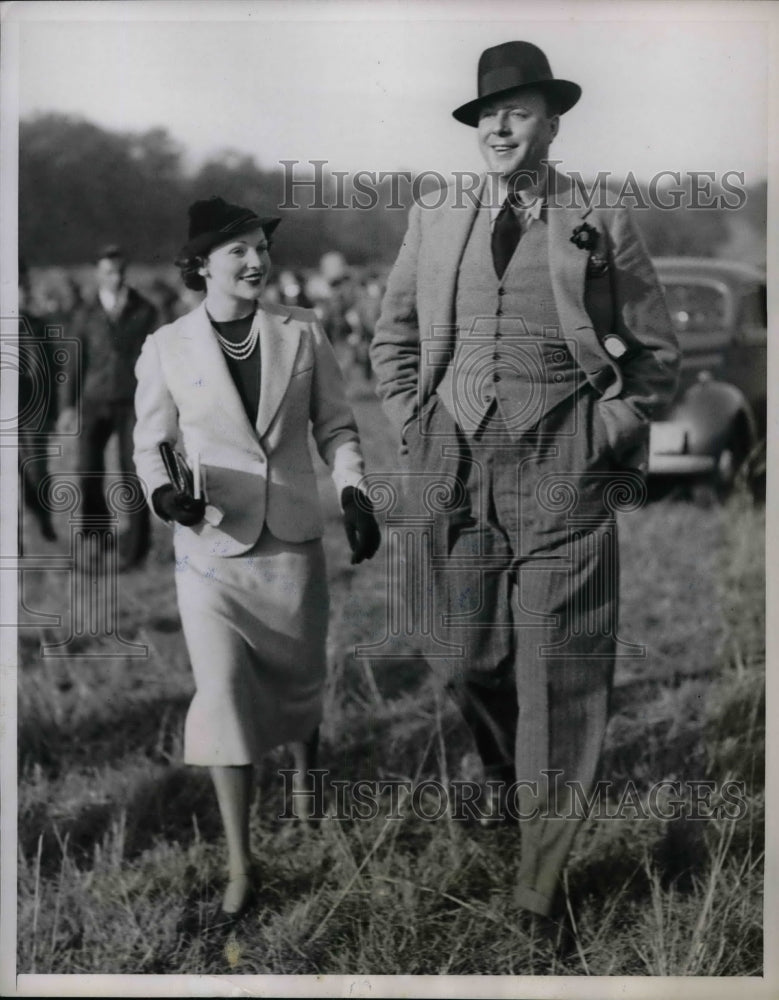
[{"x": 586, "y": 237}]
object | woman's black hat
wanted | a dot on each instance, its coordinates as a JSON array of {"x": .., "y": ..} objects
[
  {"x": 506, "y": 67},
  {"x": 215, "y": 221}
]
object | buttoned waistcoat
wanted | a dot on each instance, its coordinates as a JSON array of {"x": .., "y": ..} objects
[{"x": 509, "y": 342}]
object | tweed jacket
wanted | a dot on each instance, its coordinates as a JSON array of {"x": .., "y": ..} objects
[
  {"x": 417, "y": 330},
  {"x": 109, "y": 350},
  {"x": 255, "y": 475}
]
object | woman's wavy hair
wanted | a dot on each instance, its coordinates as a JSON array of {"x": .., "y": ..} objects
[{"x": 190, "y": 271}]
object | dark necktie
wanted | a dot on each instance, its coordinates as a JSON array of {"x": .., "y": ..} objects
[{"x": 505, "y": 236}]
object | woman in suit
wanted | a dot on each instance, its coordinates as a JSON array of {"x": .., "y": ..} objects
[{"x": 239, "y": 385}]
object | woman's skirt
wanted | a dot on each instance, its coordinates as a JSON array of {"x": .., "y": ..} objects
[{"x": 256, "y": 630}]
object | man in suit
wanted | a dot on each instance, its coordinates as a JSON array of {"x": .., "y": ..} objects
[
  {"x": 37, "y": 408},
  {"x": 522, "y": 348},
  {"x": 111, "y": 328}
]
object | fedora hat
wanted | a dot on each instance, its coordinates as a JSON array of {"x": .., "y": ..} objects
[
  {"x": 214, "y": 221},
  {"x": 509, "y": 66}
]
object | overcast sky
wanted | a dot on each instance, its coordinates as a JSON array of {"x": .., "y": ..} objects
[{"x": 372, "y": 85}]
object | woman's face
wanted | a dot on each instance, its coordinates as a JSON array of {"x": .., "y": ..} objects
[{"x": 239, "y": 269}]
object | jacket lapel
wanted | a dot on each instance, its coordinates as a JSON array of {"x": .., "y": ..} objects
[
  {"x": 567, "y": 263},
  {"x": 452, "y": 231},
  {"x": 568, "y": 270},
  {"x": 202, "y": 353},
  {"x": 279, "y": 342},
  {"x": 449, "y": 235}
]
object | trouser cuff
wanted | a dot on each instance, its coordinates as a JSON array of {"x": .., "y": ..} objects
[{"x": 531, "y": 899}]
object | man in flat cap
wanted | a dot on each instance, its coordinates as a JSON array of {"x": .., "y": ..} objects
[
  {"x": 111, "y": 328},
  {"x": 522, "y": 349}
]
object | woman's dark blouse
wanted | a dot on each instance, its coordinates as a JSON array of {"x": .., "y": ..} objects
[{"x": 245, "y": 373}]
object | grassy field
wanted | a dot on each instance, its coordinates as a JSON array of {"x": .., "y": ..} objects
[{"x": 120, "y": 857}]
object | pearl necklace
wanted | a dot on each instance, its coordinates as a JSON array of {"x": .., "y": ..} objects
[{"x": 241, "y": 350}]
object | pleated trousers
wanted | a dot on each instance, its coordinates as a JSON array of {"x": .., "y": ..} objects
[{"x": 529, "y": 589}]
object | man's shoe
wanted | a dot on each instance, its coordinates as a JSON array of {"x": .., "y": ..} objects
[
  {"x": 493, "y": 806},
  {"x": 555, "y": 931}
]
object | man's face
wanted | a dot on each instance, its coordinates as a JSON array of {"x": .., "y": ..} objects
[
  {"x": 110, "y": 274},
  {"x": 515, "y": 132}
]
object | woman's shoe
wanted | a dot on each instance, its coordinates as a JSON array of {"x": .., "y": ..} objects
[{"x": 239, "y": 893}]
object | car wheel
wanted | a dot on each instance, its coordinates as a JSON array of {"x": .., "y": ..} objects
[
  {"x": 756, "y": 472},
  {"x": 716, "y": 487},
  {"x": 728, "y": 464}
]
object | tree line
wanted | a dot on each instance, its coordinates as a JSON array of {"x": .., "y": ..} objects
[{"x": 82, "y": 186}]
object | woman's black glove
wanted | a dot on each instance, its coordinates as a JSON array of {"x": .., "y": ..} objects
[
  {"x": 181, "y": 507},
  {"x": 362, "y": 531}
]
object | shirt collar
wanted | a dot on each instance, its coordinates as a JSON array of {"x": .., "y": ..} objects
[
  {"x": 107, "y": 299},
  {"x": 530, "y": 207},
  {"x": 112, "y": 302},
  {"x": 531, "y": 204}
]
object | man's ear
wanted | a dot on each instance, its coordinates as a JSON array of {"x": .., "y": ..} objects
[
  {"x": 203, "y": 269},
  {"x": 554, "y": 125}
]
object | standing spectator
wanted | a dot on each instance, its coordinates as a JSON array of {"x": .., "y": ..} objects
[
  {"x": 364, "y": 317},
  {"x": 37, "y": 409},
  {"x": 291, "y": 291},
  {"x": 334, "y": 293},
  {"x": 111, "y": 328}
]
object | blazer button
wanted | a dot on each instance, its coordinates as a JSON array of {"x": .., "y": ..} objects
[
  {"x": 496, "y": 377},
  {"x": 499, "y": 311},
  {"x": 501, "y": 290}
]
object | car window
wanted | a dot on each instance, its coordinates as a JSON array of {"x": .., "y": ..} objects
[{"x": 696, "y": 308}]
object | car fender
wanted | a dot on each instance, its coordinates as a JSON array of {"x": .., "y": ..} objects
[{"x": 709, "y": 410}]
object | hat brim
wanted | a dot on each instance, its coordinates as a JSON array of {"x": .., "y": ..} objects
[
  {"x": 206, "y": 242},
  {"x": 565, "y": 94}
]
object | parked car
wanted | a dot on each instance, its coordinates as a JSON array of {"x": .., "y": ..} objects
[{"x": 716, "y": 426}]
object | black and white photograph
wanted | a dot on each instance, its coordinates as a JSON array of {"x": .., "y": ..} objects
[{"x": 387, "y": 460}]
